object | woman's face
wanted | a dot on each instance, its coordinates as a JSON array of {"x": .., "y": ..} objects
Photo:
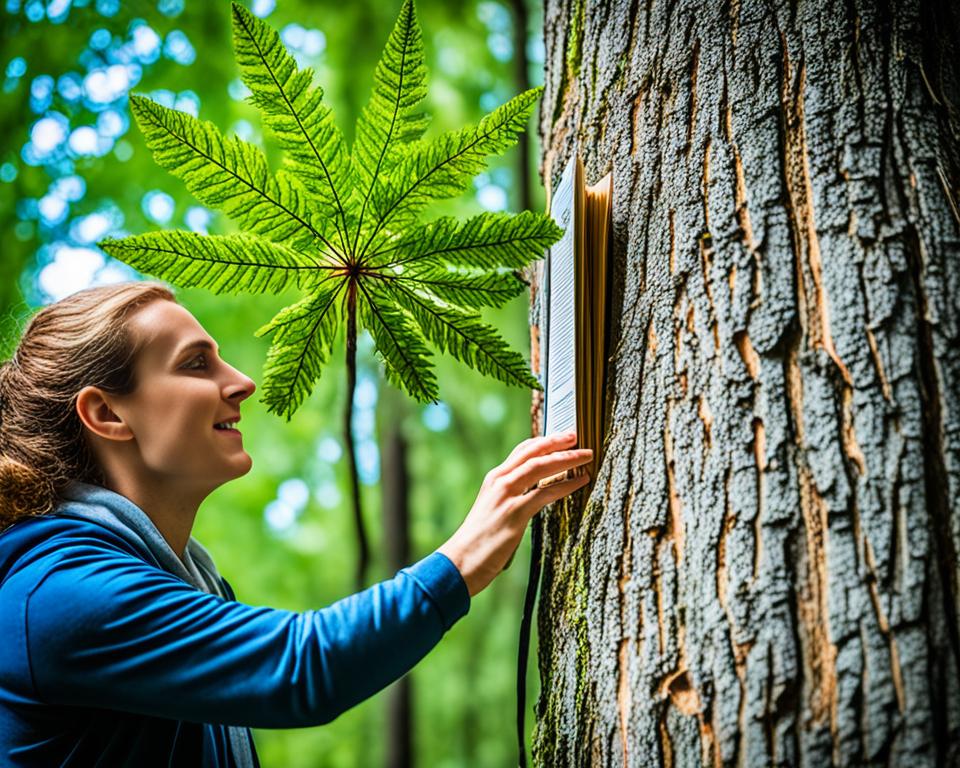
[{"x": 183, "y": 388}]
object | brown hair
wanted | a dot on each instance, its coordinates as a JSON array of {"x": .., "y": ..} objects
[{"x": 81, "y": 340}]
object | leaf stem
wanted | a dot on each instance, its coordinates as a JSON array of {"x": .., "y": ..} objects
[{"x": 363, "y": 556}]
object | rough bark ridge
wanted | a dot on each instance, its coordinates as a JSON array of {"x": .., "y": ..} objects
[{"x": 766, "y": 570}]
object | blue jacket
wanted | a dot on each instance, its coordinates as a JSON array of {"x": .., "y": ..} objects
[{"x": 109, "y": 659}]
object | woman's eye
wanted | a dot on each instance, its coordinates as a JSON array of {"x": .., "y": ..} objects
[{"x": 199, "y": 358}]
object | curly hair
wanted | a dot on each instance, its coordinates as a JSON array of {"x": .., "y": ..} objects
[{"x": 81, "y": 340}]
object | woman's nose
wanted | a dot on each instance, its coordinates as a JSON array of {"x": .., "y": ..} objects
[{"x": 241, "y": 387}]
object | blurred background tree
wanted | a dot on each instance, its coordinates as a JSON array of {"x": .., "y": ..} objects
[{"x": 72, "y": 172}]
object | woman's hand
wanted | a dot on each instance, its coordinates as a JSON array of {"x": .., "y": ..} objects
[{"x": 507, "y": 500}]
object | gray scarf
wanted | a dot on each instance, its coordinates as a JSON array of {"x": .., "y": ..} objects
[{"x": 126, "y": 519}]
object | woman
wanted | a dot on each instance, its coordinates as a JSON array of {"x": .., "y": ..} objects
[{"x": 122, "y": 644}]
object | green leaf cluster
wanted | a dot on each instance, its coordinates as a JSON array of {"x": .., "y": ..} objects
[{"x": 345, "y": 227}]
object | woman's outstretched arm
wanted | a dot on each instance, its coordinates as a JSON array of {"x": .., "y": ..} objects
[{"x": 105, "y": 629}]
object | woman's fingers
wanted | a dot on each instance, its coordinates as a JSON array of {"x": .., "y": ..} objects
[
  {"x": 538, "y": 498},
  {"x": 536, "y": 446},
  {"x": 538, "y": 468}
]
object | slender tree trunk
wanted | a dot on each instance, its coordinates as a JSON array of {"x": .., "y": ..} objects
[
  {"x": 521, "y": 81},
  {"x": 766, "y": 570},
  {"x": 396, "y": 537},
  {"x": 363, "y": 548}
]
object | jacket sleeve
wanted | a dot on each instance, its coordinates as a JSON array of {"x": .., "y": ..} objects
[{"x": 105, "y": 629}]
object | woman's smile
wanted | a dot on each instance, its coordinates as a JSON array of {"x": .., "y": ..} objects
[{"x": 227, "y": 426}]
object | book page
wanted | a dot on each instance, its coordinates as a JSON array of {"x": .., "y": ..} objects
[{"x": 560, "y": 411}]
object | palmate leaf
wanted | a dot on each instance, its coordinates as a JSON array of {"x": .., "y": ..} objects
[{"x": 344, "y": 227}]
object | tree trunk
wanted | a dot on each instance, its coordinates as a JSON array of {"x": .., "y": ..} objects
[
  {"x": 396, "y": 539},
  {"x": 521, "y": 82},
  {"x": 766, "y": 569}
]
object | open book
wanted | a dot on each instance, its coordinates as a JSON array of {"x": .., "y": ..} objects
[{"x": 573, "y": 322}]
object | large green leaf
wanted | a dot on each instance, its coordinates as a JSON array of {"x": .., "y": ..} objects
[
  {"x": 337, "y": 224},
  {"x": 465, "y": 336},
  {"x": 303, "y": 339},
  {"x": 294, "y": 114},
  {"x": 487, "y": 241},
  {"x": 442, "y": 167},
  {"x": 220, "y": 263},
  {"x": 224, "y": 173}
]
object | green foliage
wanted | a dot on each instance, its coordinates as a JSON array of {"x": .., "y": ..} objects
[
  {"x": 219, "y": 263},
  {"x": 344, "y": 226}
]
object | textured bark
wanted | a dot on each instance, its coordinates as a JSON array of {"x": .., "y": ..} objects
[{"x": 766, "y": 569}]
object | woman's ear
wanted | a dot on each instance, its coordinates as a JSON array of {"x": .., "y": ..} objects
[{"x": 97, "y": 415}]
